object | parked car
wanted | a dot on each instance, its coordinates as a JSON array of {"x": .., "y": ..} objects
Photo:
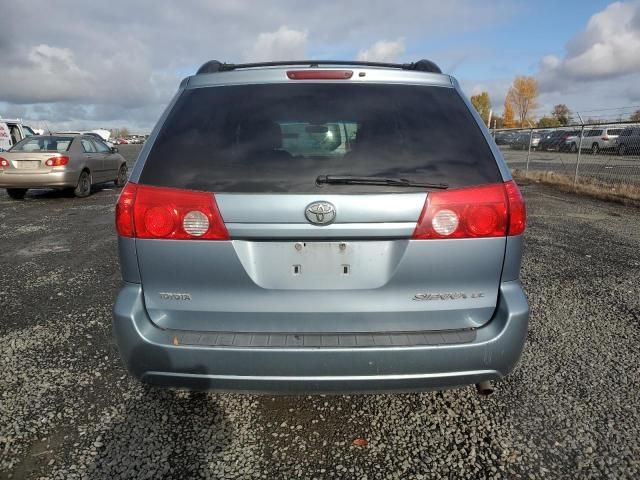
[
  {"x": 521, "y": 141},
  {"x": 600, "y": 139},
  {"x": 505, "y": 137},
  {"x": 387, "y": 264},
  {"x": 553, "y": 140},
  {"x": 571, "y": 141},
  {"x": 628, "y": 142},
  {"x": 74, "y": 162}
]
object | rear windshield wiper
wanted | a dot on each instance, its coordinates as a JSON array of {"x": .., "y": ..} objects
[{"x": 382, "y": 181}]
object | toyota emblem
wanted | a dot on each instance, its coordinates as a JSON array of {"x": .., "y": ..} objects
[{"x": 320, "y": 213}]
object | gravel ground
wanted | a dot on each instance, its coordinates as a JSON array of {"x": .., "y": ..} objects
[{"x": 68, "y": 409}]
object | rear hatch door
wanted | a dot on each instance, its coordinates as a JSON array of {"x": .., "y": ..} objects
[{"x": 310, "y": 257}]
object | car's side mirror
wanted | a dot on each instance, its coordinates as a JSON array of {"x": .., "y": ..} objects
[{"x": 114, "y": 149}]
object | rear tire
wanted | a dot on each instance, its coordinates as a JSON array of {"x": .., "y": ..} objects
[
  {"x": 122, "y": 177},
  {"x": 595, "y": 148},
  {"x": 17, "y": 193},
  {"x": 83, "y": 189}
]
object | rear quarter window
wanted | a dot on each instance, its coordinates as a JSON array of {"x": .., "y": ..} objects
[{"x": 280, "y": 137}]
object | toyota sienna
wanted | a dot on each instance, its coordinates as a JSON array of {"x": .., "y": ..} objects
[{"x": 314, "y": 226}]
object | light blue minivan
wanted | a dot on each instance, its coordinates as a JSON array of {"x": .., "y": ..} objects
[{"x": 320, "y": 226}]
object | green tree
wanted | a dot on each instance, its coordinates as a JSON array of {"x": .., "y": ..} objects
[
  {"x": 548, "y": 122},
  {"x": 482, "y": 104},
  {"x": 562, "y": 113}
]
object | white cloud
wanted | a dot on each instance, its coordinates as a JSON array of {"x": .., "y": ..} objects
[
  {"x": 119, "y": 62},
  {"x": 607, "y": 48},
  {"x": 383, "y": 51},
  {"x": 46, "y": 74},
  {"x": 283, "y": 44}
]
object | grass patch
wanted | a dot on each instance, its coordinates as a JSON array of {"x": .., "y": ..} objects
[{"x": 625, "y": 194}]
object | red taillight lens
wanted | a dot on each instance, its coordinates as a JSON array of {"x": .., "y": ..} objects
[
  {"x": 57, "y": 161},
  {"x": 605, "y": 138},
  {"x": 4, "y": 162},
  {"x": 488, "y": 211},
  {"x": 124, "y": 211},
  {"x": 517, "y": 209},
  {"x": 159, "y": 221},
  {"x": 168, "y": 213},
  {"x": 319, "y": 74}
]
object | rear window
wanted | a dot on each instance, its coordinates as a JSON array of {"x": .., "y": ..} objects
[
  {"x": 42, "y": 143},
  {"x": 281, "y": 137},
  {"x": 614, "y": 131}
]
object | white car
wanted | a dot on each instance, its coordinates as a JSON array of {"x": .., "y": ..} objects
[
  {"x": 594, "y": 139},
  {"x": 600, "y": 138}
]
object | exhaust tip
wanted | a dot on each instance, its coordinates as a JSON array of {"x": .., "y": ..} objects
[{"x": 484, "y": 388}]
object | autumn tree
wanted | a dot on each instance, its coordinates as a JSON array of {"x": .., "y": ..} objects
[
  {"x": 124, "y": 132},
  {"x": 635, "y": 117},
  {"x": 562, "y": 113},
  {"x": 523, "y": 95},
  {"x": 482, "y": 104},
  {"x": 508, "y": 119}
]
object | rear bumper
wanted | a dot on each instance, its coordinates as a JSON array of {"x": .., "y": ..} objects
[
  {"x": 59, "y": 179},
  {"x": 150, "y": 354}
]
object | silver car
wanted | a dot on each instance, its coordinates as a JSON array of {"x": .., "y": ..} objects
[
  {"x": 314, "y": 227},
  {"x": 74, "y": 162}
]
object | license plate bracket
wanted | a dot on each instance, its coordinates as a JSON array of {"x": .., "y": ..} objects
[{"x": 28, "y": 164}]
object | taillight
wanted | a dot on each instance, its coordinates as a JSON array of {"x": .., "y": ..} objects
[
  {"x": 57, "y": 161},
  {"x": 124, "y": 211},
  {"x": 168, "y": 213},
  {"x": 4, "y": 163},
  {"x": 319, "y": 74},
  {"x": 605, "y": 138},
  {"x": 517, "y": 209},
  {"x": 492, "y": 210}
]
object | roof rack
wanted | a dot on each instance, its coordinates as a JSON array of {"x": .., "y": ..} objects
[{"x": 214, "y": 66}]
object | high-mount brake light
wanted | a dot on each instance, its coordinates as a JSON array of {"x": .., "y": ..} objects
[
  {"x": 492, "y": 210},
  {"x": 168, "y": 213},
  {"x": 319, "y": 74},
  {"x": 59, "y": 161}
]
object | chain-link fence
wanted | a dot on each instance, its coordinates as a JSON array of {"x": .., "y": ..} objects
[{"x": 606, "y": 156}]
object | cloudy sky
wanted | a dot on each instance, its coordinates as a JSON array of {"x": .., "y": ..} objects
[{"x": 115, "y": 64}]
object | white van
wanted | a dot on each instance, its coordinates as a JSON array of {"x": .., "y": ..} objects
[{"x": 11, "y": 132}]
